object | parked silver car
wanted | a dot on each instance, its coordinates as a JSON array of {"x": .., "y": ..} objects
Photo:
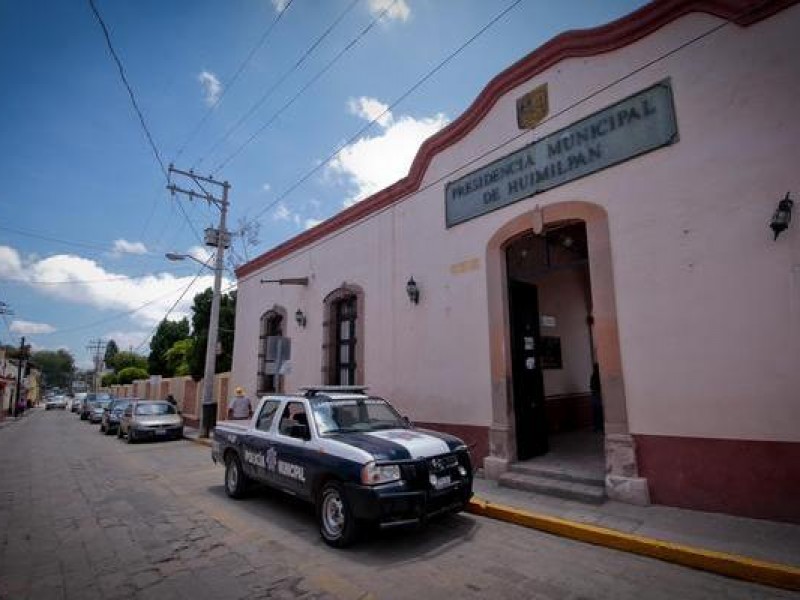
[
  {"x": 150, "y": 419},
  {"x": 56, "y": 402}
]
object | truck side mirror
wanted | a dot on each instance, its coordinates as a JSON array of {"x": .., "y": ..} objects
[
  {"x": 300, "y": 431},
  {"x": 407, "y": 421}
]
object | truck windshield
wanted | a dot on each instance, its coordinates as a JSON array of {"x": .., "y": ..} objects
[{"x": 355, "y": 415}]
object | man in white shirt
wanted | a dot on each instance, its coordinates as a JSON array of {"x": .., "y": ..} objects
[{"x": 240, "y": 407}]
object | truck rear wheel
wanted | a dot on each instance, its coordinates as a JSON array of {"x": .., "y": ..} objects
[
  {"x": 235, "y": 479},
  {"x": 337, "y": 525}
]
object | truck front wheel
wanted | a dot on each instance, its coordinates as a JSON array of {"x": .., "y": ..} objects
[
  {"x": 337, "y": 525},
  {"x": 235, "y": 479}
]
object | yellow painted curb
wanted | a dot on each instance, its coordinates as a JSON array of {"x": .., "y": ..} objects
[{"x": 730, "y": 565}]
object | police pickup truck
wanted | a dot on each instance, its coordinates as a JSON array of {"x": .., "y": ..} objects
[{"x": 350, "y": 454}]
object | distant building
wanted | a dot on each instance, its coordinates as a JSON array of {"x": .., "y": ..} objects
[{"x": 606, "y": 199}]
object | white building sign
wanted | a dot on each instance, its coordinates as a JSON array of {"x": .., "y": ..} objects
[{"x": 633, "y": 126}]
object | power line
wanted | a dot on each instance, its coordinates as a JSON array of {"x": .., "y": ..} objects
[
  {"x": 132, "y": 96},
  {"x": 229, "y": 84},
  {"x": 55, "y": 239},
  {"x": 82, "y": 281},
  {"x": 311, "y": 82},
  {"x": 81, "y": 244},
  {"x": 171, "y": 308},
  {"x": 388, "y": 109},
  {"x": 142, "y": 121},
  {"x": 510, "y": 140},
  {"x": 277, "y": 83},
  {"x": 119, "y": 315}
]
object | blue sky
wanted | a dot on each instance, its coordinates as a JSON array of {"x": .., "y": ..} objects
[{"x": 84, "y": 215}]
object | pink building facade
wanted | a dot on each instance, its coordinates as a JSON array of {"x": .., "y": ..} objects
[{"x": 626, "y": 225}]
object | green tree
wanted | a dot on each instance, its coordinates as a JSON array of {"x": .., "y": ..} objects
[
  {"x": 166, "y": 335},
  {"x": 178, "y": 357},
  {"x": 129, "y": 374},
  {"x": 57, "y": 366},
  {"x": 109, "y": 379},
  {"x": 111, "y": 351},
  {"x": 123, "y": 360},
  {"x": 201, "y": 312}
]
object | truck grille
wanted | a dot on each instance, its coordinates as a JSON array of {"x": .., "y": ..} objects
[{"x": 440, "y": 464}]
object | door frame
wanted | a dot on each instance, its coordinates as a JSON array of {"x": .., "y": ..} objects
[{"x": 502, "y": 432}]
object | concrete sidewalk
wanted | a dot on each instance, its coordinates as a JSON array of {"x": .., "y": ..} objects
[
  {"x": 6, "y": 419},
  {"x": 700, "y": 535},
  {"x": 193, "y": 435},
  {"x": 755, "y": 538}
]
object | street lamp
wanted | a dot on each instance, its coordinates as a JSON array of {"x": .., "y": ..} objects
[{"x": 174, "y": 256}]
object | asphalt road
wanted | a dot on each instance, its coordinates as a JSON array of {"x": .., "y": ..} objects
[{"x": 85, "y": 516}]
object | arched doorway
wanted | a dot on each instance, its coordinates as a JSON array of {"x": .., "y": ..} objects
[
  {"x": 552, "y": 350},
  {"x": 552, "y": 315}
]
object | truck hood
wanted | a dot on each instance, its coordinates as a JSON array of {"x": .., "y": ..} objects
[{"x": 400, "y": 444}]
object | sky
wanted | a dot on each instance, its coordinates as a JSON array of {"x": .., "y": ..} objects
[{"x": 269, "y": 95}]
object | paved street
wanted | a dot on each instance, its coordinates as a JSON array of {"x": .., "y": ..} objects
[{"x": 84, "y": 516}]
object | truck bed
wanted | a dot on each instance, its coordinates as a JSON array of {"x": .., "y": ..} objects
[{"x": 233, "y": 426}]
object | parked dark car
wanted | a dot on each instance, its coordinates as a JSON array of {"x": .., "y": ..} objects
[
  {"x": 112, "y": 415},
  {"x": 88, "y": 401},
  {"x": 98, "y": 409}
]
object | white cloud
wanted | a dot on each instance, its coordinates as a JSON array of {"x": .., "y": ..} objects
[
  {"x": 10, "y": 263},
  {"x": 266, "y": 187},
  {"x": 370, "y": 109},
  {"x": 282, "y": 212},
  {"x": 373, "y": 163},
  {"x": 125, "y": 247},
  {"x": 150, "y": 295},
  {"x": 212, "y": 88},
  {"x": 280, "y": 5},
  {"x": 84, "y": 364},
  {"x": 129, "y": 339},
  {"x": 30, "y": 328},
  {"x": 201, "y": 253},
  {"x": 399, "y": 11}
]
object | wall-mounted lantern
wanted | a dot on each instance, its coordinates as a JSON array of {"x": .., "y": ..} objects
[
  {"x": 782, "y": 217},
  {"x": 412, "y": 289},
  {"x": 300, "y": 318}
]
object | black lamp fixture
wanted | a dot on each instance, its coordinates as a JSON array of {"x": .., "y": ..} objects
[
  {"x": 782, "y": 217},
  {"x": 300, "y": 318},
  {"x": 412, "y": 289}
]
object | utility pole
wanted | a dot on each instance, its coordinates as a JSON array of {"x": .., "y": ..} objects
[
  {"x": 220, "y": 239},
  {"x": 23, "y": 355},
  {"x": 95, "y": 346}
]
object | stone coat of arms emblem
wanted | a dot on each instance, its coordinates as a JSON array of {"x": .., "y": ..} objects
[{"x": 532, "y": 107}]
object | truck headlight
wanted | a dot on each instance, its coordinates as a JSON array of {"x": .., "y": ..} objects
[{"x": 372, "y": 474}]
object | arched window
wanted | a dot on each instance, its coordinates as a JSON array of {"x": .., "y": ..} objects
[
  {"x": 343, "y": 349},
  {"x": 271, "y": 325}
]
